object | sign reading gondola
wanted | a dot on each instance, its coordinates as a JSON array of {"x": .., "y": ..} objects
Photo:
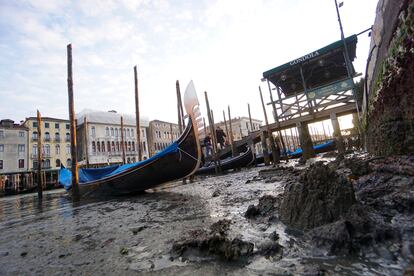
[{"x": 336, "y": 87}]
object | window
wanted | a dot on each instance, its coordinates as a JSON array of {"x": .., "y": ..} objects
[
  {"x": 67, "y": 137},
  {"x": 21, "y": 148},
  {"x": 67, "y": 149},
  {"x": 113, "y": 146},
  {"x": 35, "y": 164},
  {"x": 34, "y": 124},
  {"x": 144, "y": 147},
  {"x": 47, "y": 150},
  {"x": 46, "y": 163},
  {"x": 132, "y": 133},
  {"x": 57, "y": 126},
  {"x": 112, "y": 131},
  {"x": 103, "y": 146},
  {"x": 93, "y": 146},
  {"x": 142, "y": 133},
  {"x": 57, "y": 150},
  {"x": 1, "y": 134},
  {"x": 68, "y": 162},
  {"x": 21, "y": 133},
  {"x": 129, "y": 146},
  {"x": 108, "y": 146},
  {"x": 57, "y": 162},
  {"x": 116, "y": 132},
  {"x": 47, "y": 136},
  {"x": 21, "y": 163},
  {"x": 1, "y": 148},
  {"x": 46, "y": 125},
  {"x": 1, "y": 164},
  {"x": 93, "y": 131},
  {"x": 67, "y": 126},
  {"x": 34, "y": 150},
  {"x": 57, "y": 137},
  {"x": 117, "y": 146},
  {"x": 98, "y": 146},
  {"x": 34, "y": 135},
  {"x": 107, "y": 131},
  {"x": 128, "y": 132},
  {"x": 133, "y": 146}
]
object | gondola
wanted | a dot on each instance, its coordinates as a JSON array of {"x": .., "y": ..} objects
[
  {"x": 240, "y": 161},
  {"x": 324, "y": 147},
  {"x": 179, "y": 160}
]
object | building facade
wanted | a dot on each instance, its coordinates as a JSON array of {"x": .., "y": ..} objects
[
  {"x": 13, "y": 147},
  {"x": 55, "y": 142},
  {"x": 161, "y": 134},
  {"x": 240, "y": 127},
  {"x": 102, "y": 143}
]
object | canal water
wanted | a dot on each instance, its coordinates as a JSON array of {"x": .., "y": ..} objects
[{"x": 135, "y": 234}]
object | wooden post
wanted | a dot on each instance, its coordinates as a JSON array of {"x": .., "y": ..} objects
[
  {"x": 212, "y": 131},
  {"x": 137, "y": 115},
  {"x": 39, "y": 156},
  {"x": 73, "y": 149},
  {"x": 305, "y": 140},
  {"x": 339, "y": 141},
  {"x": 205, "y": 128},
  {"x": 85, "y": 141},
  {"x": 233, "y": 148},
  {"x": 275, "y": 154},
  {"x": 225, "y": 125},
  {"x": 265, "y": 151},
  {"x": 179, "y": 108},
  {"x": 122, "y": 140},
  {"x": 250, "y": 118}
]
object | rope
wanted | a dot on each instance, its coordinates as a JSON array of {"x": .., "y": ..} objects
[{"x": 186, "y": 153}]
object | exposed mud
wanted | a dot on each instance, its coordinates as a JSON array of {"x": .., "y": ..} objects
[{"x": 203, "y": 228}]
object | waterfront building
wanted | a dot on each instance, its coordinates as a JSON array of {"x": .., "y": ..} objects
[
  {"x": 55, "y": 142},
  {"x": 240, "y": 127},
  {"x": 13, "y": 147},
  {"x": 161, "y": 134},
  {"x": 103, "y": 138}
]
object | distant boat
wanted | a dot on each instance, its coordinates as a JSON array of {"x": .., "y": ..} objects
[
  {"x": 240, "y": 161},
  {"x": 179, "y": 160}
]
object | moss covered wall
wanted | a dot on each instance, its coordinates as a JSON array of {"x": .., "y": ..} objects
[{"x": 388, "y": 116}]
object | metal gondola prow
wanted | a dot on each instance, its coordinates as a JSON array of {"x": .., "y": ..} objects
[{"x": 191, "y": 105}]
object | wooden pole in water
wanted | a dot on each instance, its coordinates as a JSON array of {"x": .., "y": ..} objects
[
  {"x": 73, "y": 149},
  {"x": 233, "y": 148},
  {"x": 137, "y": 115},
  {"x": 85, "y": 140},
  {"x": 179, "y": 107},
  {"x": 205, "y": 128},
  {"x": 225, "y": 124},
  {"x": 275, "y": 155},
  {"x": 39, "y": 156},
  {"x": 122, "y": 140},
  {"x": 213, "y": 136},
  {"x": 250, "y": 118}
]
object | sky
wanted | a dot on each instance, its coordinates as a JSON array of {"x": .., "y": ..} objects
[{"x": 224, "y": 46}]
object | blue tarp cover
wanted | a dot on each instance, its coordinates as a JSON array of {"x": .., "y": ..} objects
[
  {"x": 88, "y": 175},
  {"x": 320, "y": 146}
]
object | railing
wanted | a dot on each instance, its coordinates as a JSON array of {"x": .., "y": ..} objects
[
  {"x": 57, "y": 139},
  {"x": 47, "y": 139},
  {"x": 34, "y": 139},
  {"x": 67, "y": 139},
  {"x": 44, "y": 155}
]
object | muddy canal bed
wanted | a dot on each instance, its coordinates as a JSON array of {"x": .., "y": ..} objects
[{"x": 161, "y": 232}]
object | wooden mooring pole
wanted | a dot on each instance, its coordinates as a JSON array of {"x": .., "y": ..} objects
[
  {"x": 39, "y": 156},
  {"x": 225, "y": 124},
  {"x": 250, "y": 118},
  {"x": 212, "y": 132},
  {"x": 179, "y": 107},
  {"x": 122, "y": 140},
  {"x": 233, "y": 148},
  {"x": 137, "y": 115},
  {"x": 85, "y": 140},
  {"x": 73, "y": 149},
  {"x": 275, "y": 154}
]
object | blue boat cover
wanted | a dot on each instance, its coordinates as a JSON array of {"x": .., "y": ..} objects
[
  {"x": 320, "y": 146},
  {"x": 89, "y": 175}
]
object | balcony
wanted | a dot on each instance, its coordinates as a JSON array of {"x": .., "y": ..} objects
[
  {"x": 57, "y": 139},
  {"x": 67, "y": 139},
  {"x": 35, "y": 139},
  {"x": 46, "y": 139},
  {"x": 44, "y": 155}
]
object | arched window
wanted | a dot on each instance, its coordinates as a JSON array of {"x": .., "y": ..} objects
[
  {"x": 116, "y": 132},
  {"x": 103, "y": 146},
  {"x": 133, "y": 145},
  {"x": 67, "y": 149},
  {"x": 112, "y": 131},
  {"x": 47, "y": 136},
  {"x": 68, "y": 162},
  {"x": 47, "y": 163},
  {"x": 93, "y": 131},
  {"x": 34, "y": 136},
  {"x": 57, "y": 137},
  {"x": 98, "y": 146},
  {"x": 34, "y": 150},
  {"x": 132, "y": 132},
  {"x": 129, "y": 146},
  {"x": 107, "y": 131},
  {"x": 57, "y": 150},
  {"x": 117, "y": 146},
  {"x": 93, "y": 146},
  {"x": 47, "y": 150},
  {"x": 126, "y": 146},
  {"x": 128, "y": 132},
  {"x": 67, "y": 137},
  {"x": 57, "y": 162},
  {"x": 108, "y": 146},
  {"x": 113, "y": 146}
]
